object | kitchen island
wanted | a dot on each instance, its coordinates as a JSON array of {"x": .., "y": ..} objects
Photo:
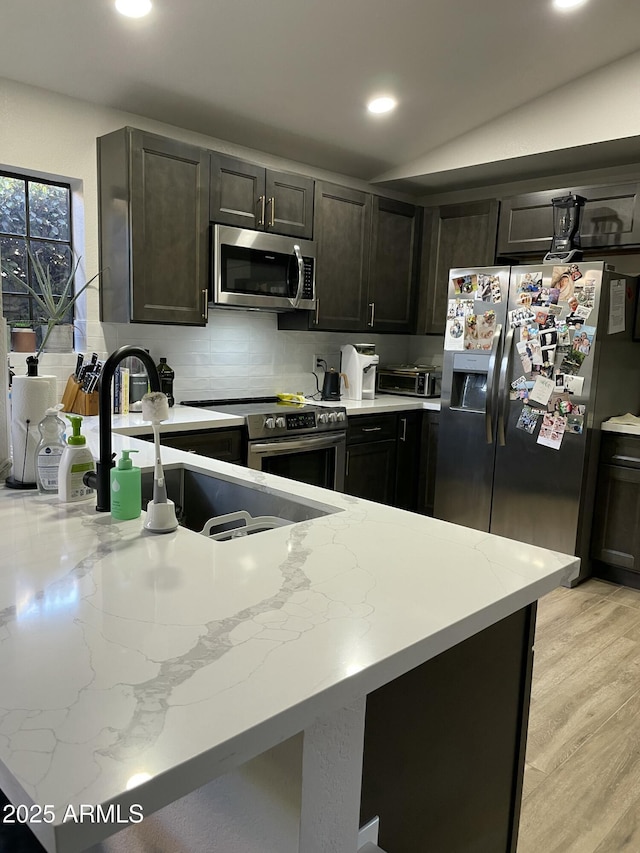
[{"x": 137, "y": 668}]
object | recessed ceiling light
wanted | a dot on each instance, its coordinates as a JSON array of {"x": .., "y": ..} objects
[
  {"x": 133, "y": 8},
  {"x": 568, "y": 4},
  {"x": 382, "y": 105}
]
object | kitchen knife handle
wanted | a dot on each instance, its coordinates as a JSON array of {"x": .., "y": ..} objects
[
  {"x": 491, "y": 378},
  {"x": 503, "y": 388},
  {"x": 262, "y": 201}
]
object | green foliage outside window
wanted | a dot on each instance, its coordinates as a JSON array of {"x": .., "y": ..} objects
[{"x": 35, "y": 217}]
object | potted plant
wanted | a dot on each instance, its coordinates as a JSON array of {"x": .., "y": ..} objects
[
  {"x": 52, "y": 306},
  {"x": 23, "y": 336}
]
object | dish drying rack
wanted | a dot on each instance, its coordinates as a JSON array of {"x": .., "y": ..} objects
[{"x": 246, "y": 524}]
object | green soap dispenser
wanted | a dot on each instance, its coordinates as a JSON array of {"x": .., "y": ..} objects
[{"x": 126, "y": 488}]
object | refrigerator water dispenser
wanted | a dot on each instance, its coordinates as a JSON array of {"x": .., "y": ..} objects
[{"x": 469, "y": 391}]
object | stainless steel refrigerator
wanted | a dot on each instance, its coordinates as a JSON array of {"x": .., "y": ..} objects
[{"x": 536, "y": 358}]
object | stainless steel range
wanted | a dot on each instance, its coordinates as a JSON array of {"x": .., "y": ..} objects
[{"x": 301, "y": 441}]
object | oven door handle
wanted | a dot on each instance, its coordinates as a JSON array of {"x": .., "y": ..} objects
[
  {"x": 299, "y": 444},
  {"x": 295, "y": 301}
]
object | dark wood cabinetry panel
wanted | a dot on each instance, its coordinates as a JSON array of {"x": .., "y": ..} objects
[
  {"x": 237, "y": 192},
  {"x": 610, "y": 219},
  {"x": 371, "y": 470},
  {"x": 408, "y": 460},
  {"x": 289, "y": 204},
  {"x": 428, "y": 458},
  {"x": 394, "y": 265},
  {"x": 459, "y": 235},
  {"x": 458, "y": 787},
  {"x": 616, "y": 523},
  {"x": 249, "y": 196},
  {"x": 343, "y": 235},
  {"x": 154, "y": 227},
  {"x": 225, "y": 444}
]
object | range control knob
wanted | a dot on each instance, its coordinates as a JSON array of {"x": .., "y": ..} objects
[
  {"x": 323, "y": 418},
  {"x": 269, "y": 423},
  {"x": 280, "y": 422},
  {"x": 333, "y": 417},
  {"x": 341, "y": 416}
]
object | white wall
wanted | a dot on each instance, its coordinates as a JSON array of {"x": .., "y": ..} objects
[{"x": 239, "y": 352}]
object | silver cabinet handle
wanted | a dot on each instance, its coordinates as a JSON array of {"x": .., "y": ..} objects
[
  {"x": 262, "y": 201},
  {"x": 371, "y": 429},
  {"x": 272, "y": 218},
  {"x": 372, "y": 308},
  {"x": 403, "y": 421},
  {"x": 205, "y": 305},
  {"x": 346, "y": 472}
]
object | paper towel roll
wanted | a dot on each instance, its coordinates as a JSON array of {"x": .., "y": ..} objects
[{"x": 31, "y": 396}]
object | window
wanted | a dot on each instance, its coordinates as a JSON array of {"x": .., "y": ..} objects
[{"x": 34, "y": 214}]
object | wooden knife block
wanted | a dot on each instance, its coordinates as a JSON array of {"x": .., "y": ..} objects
[{"x": 77, "y": 401}]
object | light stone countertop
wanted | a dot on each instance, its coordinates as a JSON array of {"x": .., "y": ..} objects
[
  {"x": 627, "y": 429},
  {"x": 124, "y": 652},
  {"x": 386, "y": 403}
]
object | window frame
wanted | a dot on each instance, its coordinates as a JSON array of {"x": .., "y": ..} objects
[{"x": 27, "y": 178}]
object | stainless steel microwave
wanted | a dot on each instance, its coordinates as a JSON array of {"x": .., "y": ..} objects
[
  {"x": 411, "y": 380},
  {"x": 254, "y": 269}
]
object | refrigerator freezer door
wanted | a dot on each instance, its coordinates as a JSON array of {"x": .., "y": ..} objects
[{"x": 468, "y": 416}]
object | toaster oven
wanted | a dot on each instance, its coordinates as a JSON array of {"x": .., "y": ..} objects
[{"x": 409, "y": 379}]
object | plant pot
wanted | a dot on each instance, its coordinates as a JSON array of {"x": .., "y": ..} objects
[
  {"x": 60, "y": 339},
  {"x": 23, "y": 340}
]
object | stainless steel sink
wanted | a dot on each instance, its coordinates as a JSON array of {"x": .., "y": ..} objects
[{"x": 199, "y": 497}]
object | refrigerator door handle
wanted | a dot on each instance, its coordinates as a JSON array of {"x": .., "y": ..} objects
[
  {"x": 491, "y": 376},
  {"x": 503, "y": 388}
]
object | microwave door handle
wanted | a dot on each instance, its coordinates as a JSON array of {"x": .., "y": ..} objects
[
  {"x": 295, "y": 302},
  {"x": 491, "y": 375},
  {"x": 503, "y": 388}
]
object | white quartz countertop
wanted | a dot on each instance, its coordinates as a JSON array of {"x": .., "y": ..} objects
[
  {"x": 386, "y": 403},
  {"x": 172, "y": 658},
  {"x": 181, "y": 419},
  {"x": 631, "y": 425}
]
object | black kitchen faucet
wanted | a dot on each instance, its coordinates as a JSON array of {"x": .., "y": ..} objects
[{"x": 100, "y": 478}]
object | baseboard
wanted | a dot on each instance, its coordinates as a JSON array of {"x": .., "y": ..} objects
[{"x": 368, "y": 835}]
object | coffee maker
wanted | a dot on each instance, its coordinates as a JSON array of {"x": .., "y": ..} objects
[{"x": 359, "y": 364}]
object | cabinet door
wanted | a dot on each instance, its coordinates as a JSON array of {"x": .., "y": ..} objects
[
  {"x": 169, "y": 210},
  {"x": 428, "y": 458},
  {"x": 459, "y": 235},
  {"x": 408, "y": 462},
  {"x": 394, "y": 265},
  {"x": 237, "y": 192},
  {"x": 370, "y": 471},
  {"x": 289, "y": 205},
  {"x": 616, "y": 523},
  {"x": 610, "y": 218},
  {"x": 343, "y": 233}
]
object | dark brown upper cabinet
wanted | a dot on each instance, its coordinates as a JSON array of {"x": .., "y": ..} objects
[
  {"x": 366, "y": 263},
  {"x": 395, "y": 244},
  {"x": 153, "y": 202},
  {"x": 250, "y": 196},
  {"x": 610, "y": 220},
  {"x": 456, "y": 235}
]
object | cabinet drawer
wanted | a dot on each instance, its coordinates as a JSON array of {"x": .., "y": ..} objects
[
  {"x": 622, "y": 450},
  {"x": 223, "y": 444},
  {"x": 378, "y": 428}
]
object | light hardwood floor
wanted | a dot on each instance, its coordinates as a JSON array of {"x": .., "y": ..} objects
[{"x": 582, "y": 777}]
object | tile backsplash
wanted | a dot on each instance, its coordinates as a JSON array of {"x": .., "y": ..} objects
[{"x": 239, "y": 354}]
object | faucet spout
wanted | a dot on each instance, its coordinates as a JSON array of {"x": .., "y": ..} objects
[{"x": 101, "y": 479}]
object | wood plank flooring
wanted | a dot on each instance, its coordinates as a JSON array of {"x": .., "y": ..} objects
[{"x": 582, "y": 777}]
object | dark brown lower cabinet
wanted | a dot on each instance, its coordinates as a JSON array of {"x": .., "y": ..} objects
[
  {"x": 371, "y": 470},
  {"x": 408, "y": 460},
  {"x": 615, "y": 542},
  {"x": 445, "y": 743},
  {"x": 427, "y": 466},
  {"x": 229, "y": 445}
]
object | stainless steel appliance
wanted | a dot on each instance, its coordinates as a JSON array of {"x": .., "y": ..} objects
[
  {"x": 412, "y": 380},
  {"x": 254, "y": 269},
  {"x": 303, "y": 442},
  {"x": 536, "y": 357}
]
